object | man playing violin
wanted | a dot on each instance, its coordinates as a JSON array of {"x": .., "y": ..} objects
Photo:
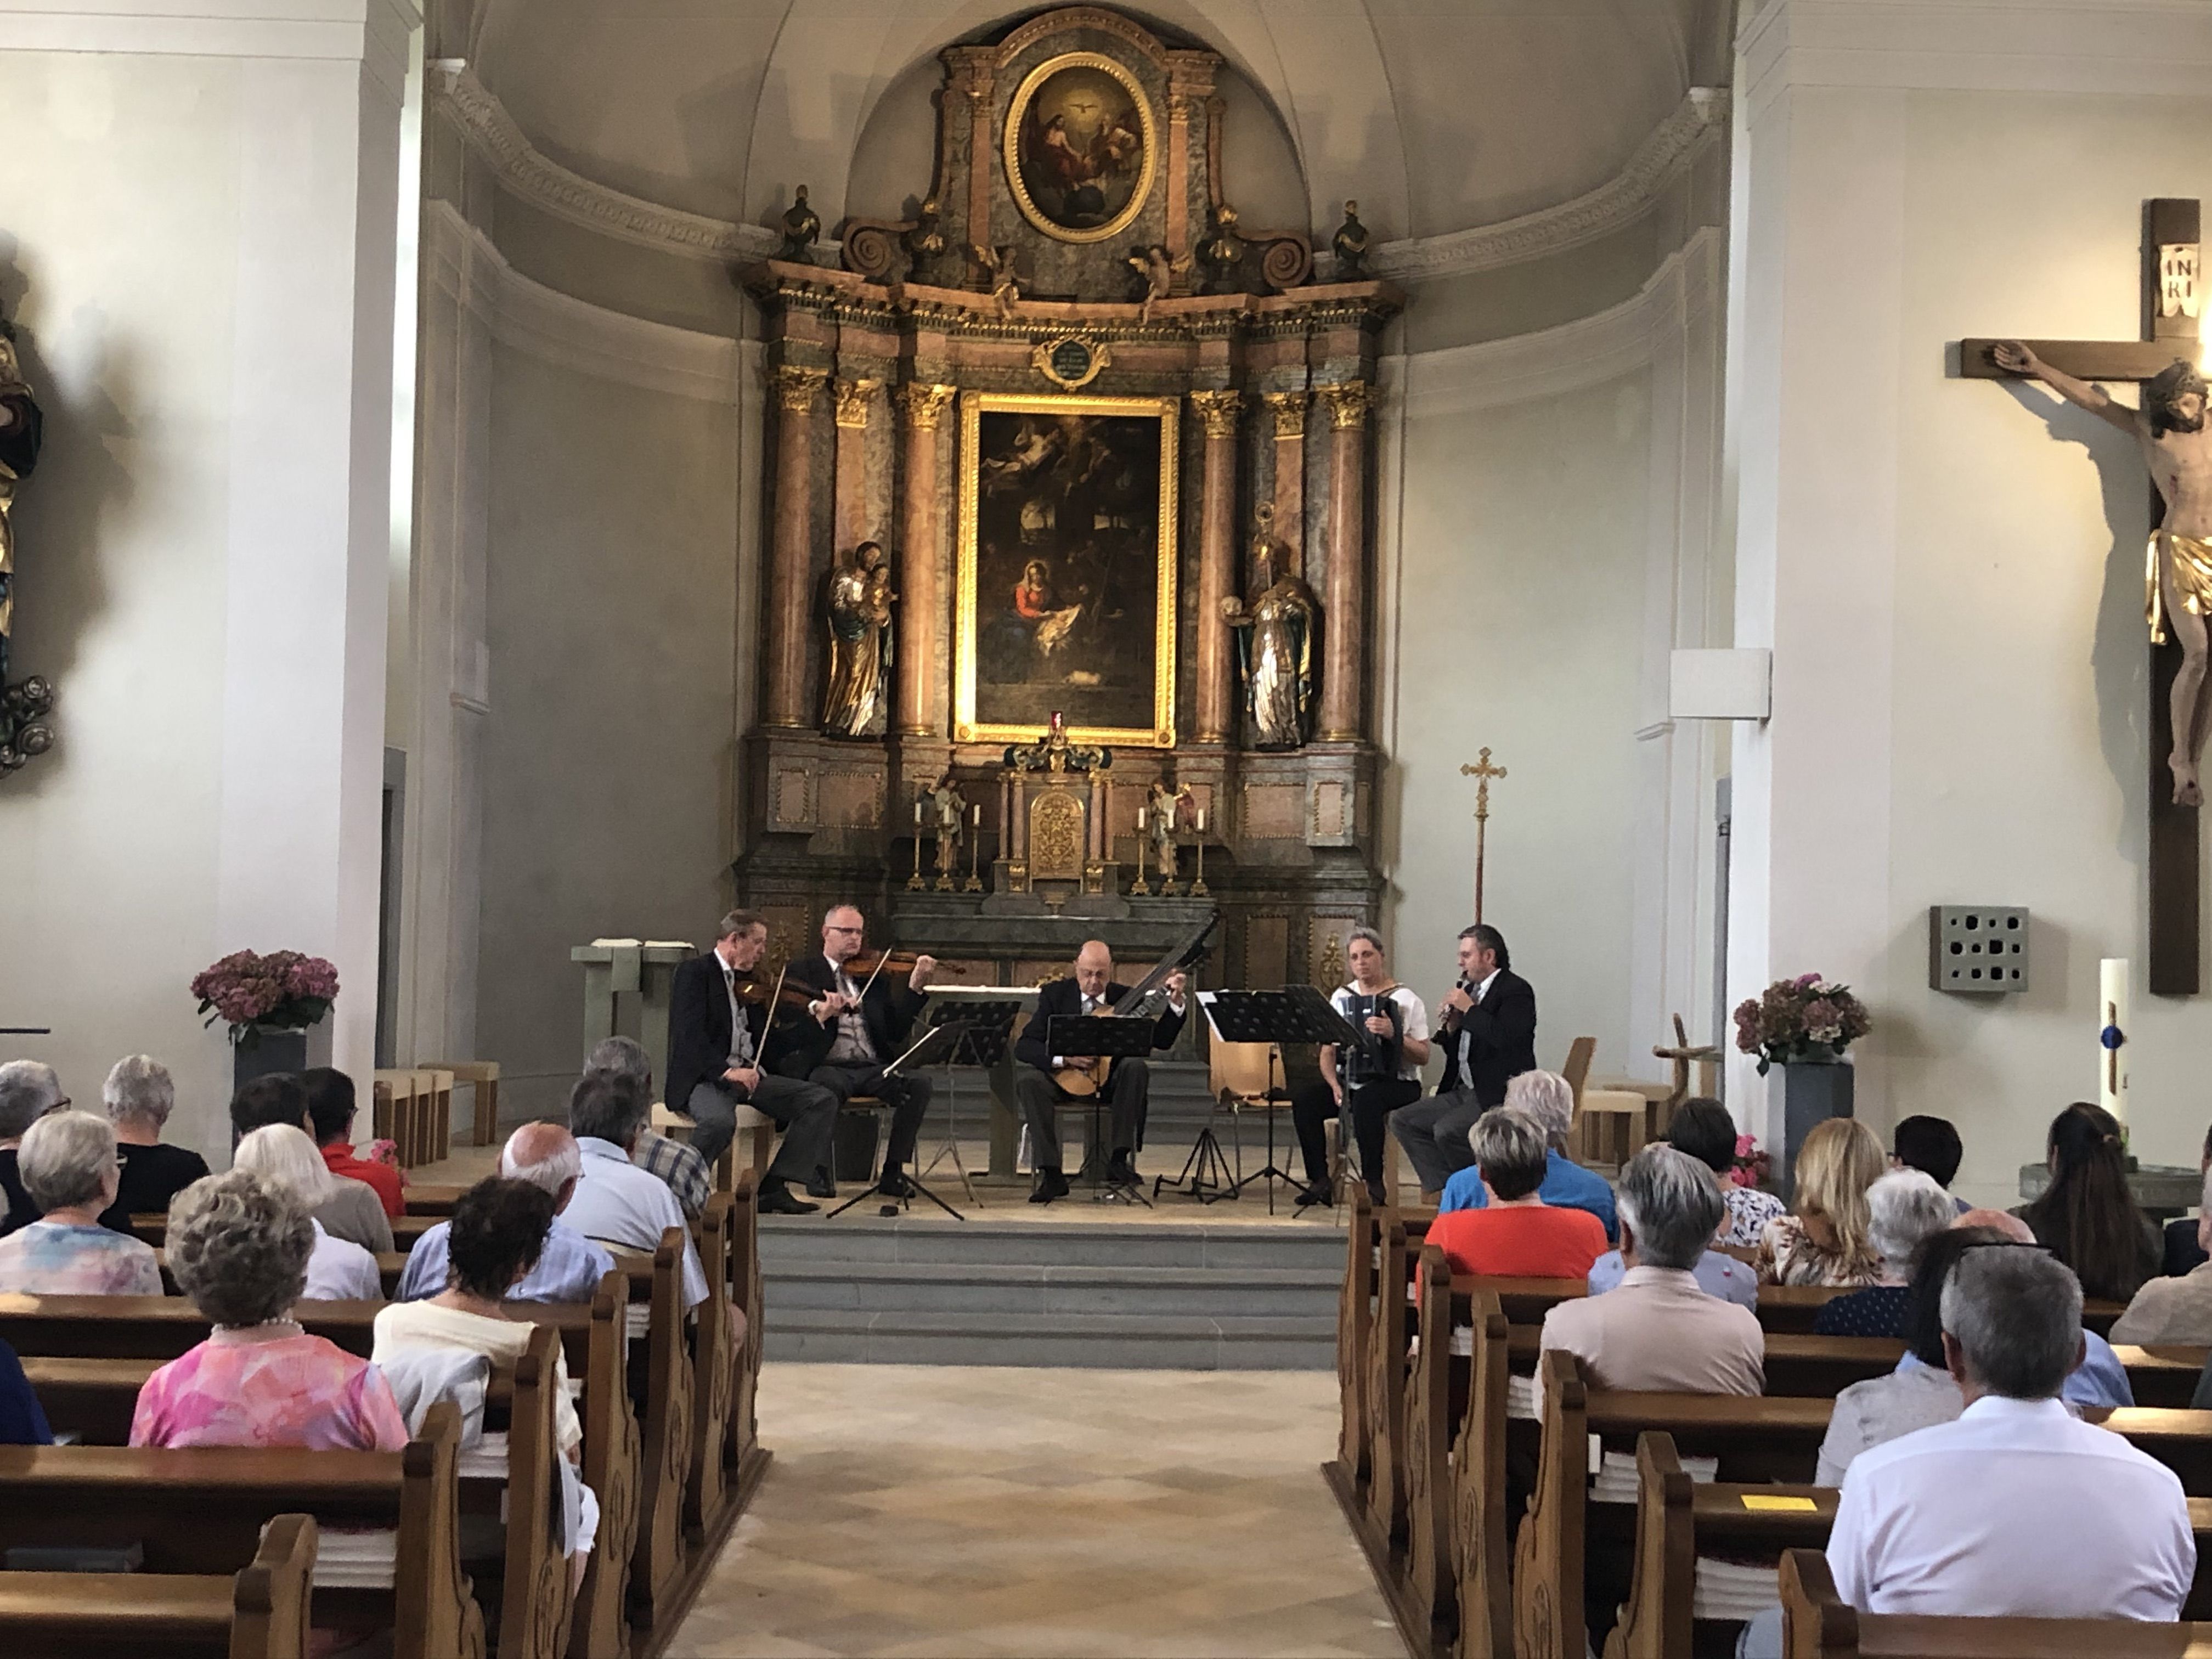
[
  {"x": 1127, "y": 1087},
  {"x": 714, "y": 1047},
  {"x": 844, "y": 1017}
]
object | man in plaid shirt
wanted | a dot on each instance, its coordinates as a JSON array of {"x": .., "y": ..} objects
[{"x": 682, "y": 1170}]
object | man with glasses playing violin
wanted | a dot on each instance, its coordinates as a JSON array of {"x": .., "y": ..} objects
[
  {"x": 845, "y": 1014},
  {"x": 714, "y": 1045}
]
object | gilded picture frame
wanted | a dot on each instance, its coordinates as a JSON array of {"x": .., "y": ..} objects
[
  {"x": 1067, "y": 556},
  {"x": 1065, "y": 147}
]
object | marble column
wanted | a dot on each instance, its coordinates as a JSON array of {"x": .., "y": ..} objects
[
  {"x": 1217, "y": 539},
  {"x": 1288, "y": 410},
  {"x": 798, "y": 392},
  {"x": 1344, "y": 606},
  {"x": 921, "y": 618}
]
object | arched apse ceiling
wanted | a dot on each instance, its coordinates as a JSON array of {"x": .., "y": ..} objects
[{"x": 1439, "y": 115}]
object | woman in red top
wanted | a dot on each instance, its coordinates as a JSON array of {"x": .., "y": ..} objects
[{"x": 1517, "y": 1235}]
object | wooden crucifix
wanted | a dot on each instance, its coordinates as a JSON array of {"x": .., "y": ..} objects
[
  {"x": 2172, "y": 303},
  {"x": 1482, "y": 771}
]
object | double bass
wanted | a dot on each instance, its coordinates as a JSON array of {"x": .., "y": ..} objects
[{"x": 1086, "y": 1077}]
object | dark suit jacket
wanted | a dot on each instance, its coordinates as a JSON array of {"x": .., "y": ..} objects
[
  {"x": 1064, "y": 998},
  {"x": 799, "y": 1043},
  {"x": 1501, "y": 1030},
  {"x": 699, "y": 1028}
]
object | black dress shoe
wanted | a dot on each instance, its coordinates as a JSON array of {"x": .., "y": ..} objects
[
  {"x": 821, "y": 1186},
  {"x": 1121, "y": 1171},
  {"x": 1376, "y": 1194},
  {"x": 1317, "y": 1191},
  {"x": 896, "y": 1184},
  {"x": 1050, "y": 1184},
  {"x": 781, "y": 1200}
]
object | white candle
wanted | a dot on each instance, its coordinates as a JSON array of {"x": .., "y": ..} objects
[
  {"x": 978, "y": 819},
  {"x": 1140, "y": 818},
  {"x": 2111, "y": 1036},
  {"x": 1202, "y": 820},
  {"x": 917, "y": 812}
]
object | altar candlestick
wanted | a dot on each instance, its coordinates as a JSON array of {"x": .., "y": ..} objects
[
  {"x": 2111, "y": 1036},
  {"x": 913, "y": 881},
  {"x": 976, "y": 850}
]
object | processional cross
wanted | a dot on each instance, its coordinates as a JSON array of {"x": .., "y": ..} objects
[
  {"x": 2172, "y": 307},
  {"x": 1483, "y": 771}
]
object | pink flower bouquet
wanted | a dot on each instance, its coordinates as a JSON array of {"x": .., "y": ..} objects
[
  {"x": 284, "y": 991},
  {"x": 1752, "y": 1164},
  {"x": 1806, "y": 1019}
]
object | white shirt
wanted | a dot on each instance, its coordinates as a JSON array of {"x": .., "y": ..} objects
[
  {"x": 341, "y": 1271},
  {"x": 2017, "y": 1509},
  {"x": 427, "y": 1325},
  {"x": 620, "y": 1205},
  {"x": 741, "y": 1032},
  {"x": 1411, "y": 1012}
]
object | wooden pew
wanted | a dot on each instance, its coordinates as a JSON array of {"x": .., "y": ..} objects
[
  {"x": 1817, "y": 1624},
  {"x": 657, "y": 1558},
  {"x": 261, "y": 1612},
  {"x": 200, "y": 1511}
]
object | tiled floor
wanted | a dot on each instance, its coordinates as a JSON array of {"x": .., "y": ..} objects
[{"x": 927, "y": 1510}]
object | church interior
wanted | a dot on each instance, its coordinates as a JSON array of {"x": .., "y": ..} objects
[{"x": 1201, "y": 828}]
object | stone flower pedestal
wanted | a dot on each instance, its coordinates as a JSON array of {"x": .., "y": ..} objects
[
  {"x": 1813, "y": 1091},
  {"x": 264, "y": 1049}
]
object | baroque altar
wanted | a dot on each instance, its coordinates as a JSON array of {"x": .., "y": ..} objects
[{"x": 1111, "y": 450}]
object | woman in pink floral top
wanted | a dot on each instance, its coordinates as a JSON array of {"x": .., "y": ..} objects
[
  {"x": 67, "y": 1162},
  {"x": 239, "y": 1247}
]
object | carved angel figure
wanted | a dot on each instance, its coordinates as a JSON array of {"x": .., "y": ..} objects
[
  {"x": 1158, "y": 272},
  {"x": 998, "y": 263}
]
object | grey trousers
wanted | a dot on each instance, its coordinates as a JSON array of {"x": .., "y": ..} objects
[
  {"x": 1128, "y": 1093},
  {"x": 1433, "y": 1132},
  {"x": 806, "y": 1112}
]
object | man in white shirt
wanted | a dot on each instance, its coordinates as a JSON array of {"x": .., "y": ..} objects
[
  {"x": 615, "y": 1203},
  {"x": 2017, "y": 1509}
]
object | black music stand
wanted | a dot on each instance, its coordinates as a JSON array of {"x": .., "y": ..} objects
[
  {"x": 933, "y": 1048},
  {"x": 1088, "y": 1036},
  {"x": 1321, "y": 1023},
  {"x": 982, "y": 1031}
]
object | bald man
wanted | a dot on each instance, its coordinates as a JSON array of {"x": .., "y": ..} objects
[
  {"x": 569, "y": 1266},
  {"x": 1129, "y": 1086}
]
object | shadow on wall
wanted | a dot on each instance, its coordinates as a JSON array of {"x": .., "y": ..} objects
[{"x": 60, "y": 588}]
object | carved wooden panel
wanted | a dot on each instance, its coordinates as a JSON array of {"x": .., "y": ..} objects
[
  {"x": 1272, "y": 812},
  {"x": 1041, "y": 970},
  {"x": 850, "y": 800},
  {"x": 791, "y": 796},
  {"x": 1328, "y": 809},
  {"x": 1056, "y": 835},
  {"x": 1361, "y": 801},
  {"x": 1268, "y": 948},
  {"x": 789, "y": 933}
]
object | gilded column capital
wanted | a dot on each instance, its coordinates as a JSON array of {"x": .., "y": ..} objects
[
  {"x": 1347, "y": 402},
  {"x": 924, "y": 406},
  {"x": 854, "y": 400},
  {"x": 1217, "y": 410},
  {"x": 797, "y": 388},
  {"x": 1289, "y": 409}
]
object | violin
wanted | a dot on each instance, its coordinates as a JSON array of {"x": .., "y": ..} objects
[{"x": 866, "y": 964}]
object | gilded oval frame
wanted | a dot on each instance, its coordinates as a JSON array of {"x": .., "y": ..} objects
[{"x": 1010, "y": 151}]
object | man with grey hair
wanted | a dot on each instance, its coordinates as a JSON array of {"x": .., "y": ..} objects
[
  {"x": 1658, "y": 1328},
  {"x": 28, "y": 1090},
  {"x": 1486, "y": 1028},
  {"x": 139, "y": 1097},
  {"x": 680, "y": 1165},
  {"x": 1550, "y": 1099},
  {"x": 569, "y": 1265},
  {"x": 2018, "y": 1509},
  {"x": 2175, "y": 1310}
]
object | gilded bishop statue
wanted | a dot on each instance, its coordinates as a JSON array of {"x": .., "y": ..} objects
[{"x": 1275, "y": 643}]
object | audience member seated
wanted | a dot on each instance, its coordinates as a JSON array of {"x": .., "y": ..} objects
[
  {"x": 351, "y": 1210},
  {"x": 676, "y": 1162},
  {"x": 1516, "y": 1235},
  {"x": 28, "y": 1090},
  {"x": 569, "y": 1265},
  {"x": 1704, "y": 1129},
  {"x": 1660, "y": 1329},
  {"x": 1931, "y": 1145},
  {"x": 2174, "y": 1310},
  {"x": 1717, "y": 1274},
  {"x": 1550, "y": 1100},
  {"x": 22, "y": 1419},
  {"x": 616, "y": 1203},
  {"x": 1904, "y": 1209},
  {"x": 331, "y": 1108},
  {"x": 2088, "y": 1218},
  {"x": 1825, "y": 1242},
  {"x": 238, "y": 1246},
  {"x": 67, "y": 1165},
  {"x": 139, "y": 1096},
  {"x": 339, "y": 1270},
  {"x": 2017, "y": 1509},
  {"x": 495, "y": 1237},
  {"x": 2184, "y": 1252}
]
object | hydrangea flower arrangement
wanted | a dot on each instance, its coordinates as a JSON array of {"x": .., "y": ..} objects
[
  {"x": 1805, "y": 1019},
  {"x": 284, "y": 991}
]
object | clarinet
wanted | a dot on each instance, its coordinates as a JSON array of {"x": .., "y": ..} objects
[{"x": 1376, "y": 1058}]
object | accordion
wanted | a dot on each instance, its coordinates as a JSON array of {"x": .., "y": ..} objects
[{"x": 1377, "y": 1058}]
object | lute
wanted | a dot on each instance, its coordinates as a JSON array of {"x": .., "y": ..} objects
[{"x": 1086, "y": 1077}]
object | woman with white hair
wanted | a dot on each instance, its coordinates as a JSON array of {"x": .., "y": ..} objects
[
  {"x": 139, "y": 1097},
  {"x": 67, "y": 1165},
  {"x": 339, "y": 1270},
  {"x": 1550, "y": 1099},
  {"x": 1904, "y": 1209}
]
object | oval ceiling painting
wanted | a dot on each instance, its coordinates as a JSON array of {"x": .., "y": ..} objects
[{"x": 1080, "y": 150}]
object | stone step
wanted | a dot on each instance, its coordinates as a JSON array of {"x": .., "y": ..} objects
[
  {"x": 1114, "y": 1341},
  {"x": 914, "y": 1240},
  {"x": 1027, "y": 1289}
]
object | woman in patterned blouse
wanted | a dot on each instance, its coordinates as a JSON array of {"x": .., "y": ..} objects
[
  {"x": 1704, "y": 1129},
  {"x": 238, "y": 1246},
  {"x": 67, "y": 1162},
  {"x": 1825, "y": 1242}
]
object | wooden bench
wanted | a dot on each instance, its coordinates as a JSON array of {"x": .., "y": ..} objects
[
  {"x": 261, "y": 1612},
  {"x": 200, "y": 1511},
  {"x": 1817, "y": 1623}
]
